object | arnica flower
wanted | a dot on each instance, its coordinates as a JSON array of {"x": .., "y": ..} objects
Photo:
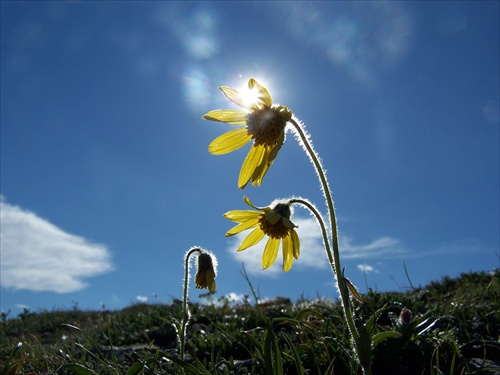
[
  {"x": 206, "y": 271},
  {"x": 260, "y": 120},
  {"x": 273, "y": 221}
]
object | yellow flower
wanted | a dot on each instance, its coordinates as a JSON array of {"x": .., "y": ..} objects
[
  {"x": 206, "y": 270},
  {"x": 259, "y": 120},
  {"x": 273, "y": 221}
]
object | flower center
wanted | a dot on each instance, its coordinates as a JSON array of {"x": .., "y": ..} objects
[
  {"x": 276, "y": 230},
  {"x": 266, "y": 124}
]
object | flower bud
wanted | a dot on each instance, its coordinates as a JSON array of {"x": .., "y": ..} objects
[
  {"x": 405, "y": 317},
  {"x": 206, "y": 271}
]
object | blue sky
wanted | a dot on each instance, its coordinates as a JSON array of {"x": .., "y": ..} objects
[{"x": 106, "y": 180}]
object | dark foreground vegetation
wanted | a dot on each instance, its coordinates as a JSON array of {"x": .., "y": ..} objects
[{"x": 447, "y": 327}]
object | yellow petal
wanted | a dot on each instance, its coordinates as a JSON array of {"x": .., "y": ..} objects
[
  {"x": 247, "y": 201},
  {"x": 241, "y": 227},
  {"x": 261, "y": 170},
  {"x": 230, "y": 116},
  {"x": 296, "y": 243},
  {"x": 230, "y": 141},
  {"x": 211, "y": 281},
  {"x": 255, "y": 236},
  {"x": 242, "y": 215},
  {"x": 270, "y": 252},
  {"x": 234, "y": 96},
  {"x": 262, "y": 93},
  {"x": 287, "y": 253},
  {"x": 274, "y": 151},
  {"x": 201, "y": 280},
  {"x": 252, "y": 161}
]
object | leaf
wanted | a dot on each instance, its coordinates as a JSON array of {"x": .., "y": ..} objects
[
  {"x": 258, "y": 345},
  {"x": 135, "y": 368},
  {"x": 305, "y": 313},
  {"x": 383, "y": 336},
  {"x": 364, "y": 346},
  {"x": 13, "y": 368},
  {"x": 293, "y": 348},
  {"x": 426, "y": 325},
  {"x": 272, "y": 354},
  {"x": 353, "y": 290},
  {"x": 76, "y": 369},
  {"x": 186, "y": 366}
]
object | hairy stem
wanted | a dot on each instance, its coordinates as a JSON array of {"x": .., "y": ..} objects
[
  {"x": 344, "y": 293},
  {"x": 185, "y": 311},
  {"x": 321, "y": 223}
]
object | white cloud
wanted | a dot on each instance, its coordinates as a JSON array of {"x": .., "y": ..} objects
[
  {"x": 38, "y": 256},
  {"x": 22, "y": 306},
  {"x": 381, "y": 247},
  {"x": 236, "y": 298},
  {"x": 365, "y": 268},
  {"x": 232, "y": 299},
  {"x": 312, "y": 252},
  {"x": 142, "y": 299}
]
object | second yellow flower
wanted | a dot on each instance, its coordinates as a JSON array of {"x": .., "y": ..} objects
[{"x": 273, "y": 221}]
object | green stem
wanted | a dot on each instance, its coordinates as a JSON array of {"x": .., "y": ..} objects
[
  {"x": 185, "y": 312},
  {"x": 337, "y": 271},
  {"x": 321, "y": 223}
]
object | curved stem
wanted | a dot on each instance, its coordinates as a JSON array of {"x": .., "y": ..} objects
[
  {"x": 321, "y": 223},
  {"x": 185, "y": 312},
  {"x": 344, "y": 293}
]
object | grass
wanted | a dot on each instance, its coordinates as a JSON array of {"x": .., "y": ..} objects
[{"x": 452, "y": 327}]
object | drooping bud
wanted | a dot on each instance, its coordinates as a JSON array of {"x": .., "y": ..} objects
[{"x": 206, "y": 271}]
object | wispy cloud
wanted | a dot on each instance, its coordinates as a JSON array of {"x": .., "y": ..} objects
[
  {"x": 312, "y": 252},
  {"x": 38, "y": 256},
  {"x": 381, "y": 247}
]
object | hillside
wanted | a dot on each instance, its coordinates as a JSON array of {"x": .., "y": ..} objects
[{"x": 448, "y": 327}]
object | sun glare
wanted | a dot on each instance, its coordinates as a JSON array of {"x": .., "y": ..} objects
[{"x": 249, "y": 96}]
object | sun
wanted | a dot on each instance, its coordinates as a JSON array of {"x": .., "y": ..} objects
[{"x": 250, "y": 96}]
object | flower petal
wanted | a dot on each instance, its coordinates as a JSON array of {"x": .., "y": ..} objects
[
  {"x": 261, "y": 170},
  {"x": 296, "y": 243},
  {"x": 255, "y": 236},
  {"x": 287, "y": 253},
  {"x": 206, "y": 279},
  {"x": 230, "y": 116},
  {"x": 234, "y": 96},
  {"x": 252, "y": 161},
  {"x": 270, "y": 252},
  {"x": 242, "y": 226},
  {"x": 247, "y": 201},
  {"x": 240, "y": 216},
  {"x": 274, "y": 151},
  {"x": 262, "y": 94},
  {"x": 212, "y": 287},
  {"x": 230, "y": 141}
]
